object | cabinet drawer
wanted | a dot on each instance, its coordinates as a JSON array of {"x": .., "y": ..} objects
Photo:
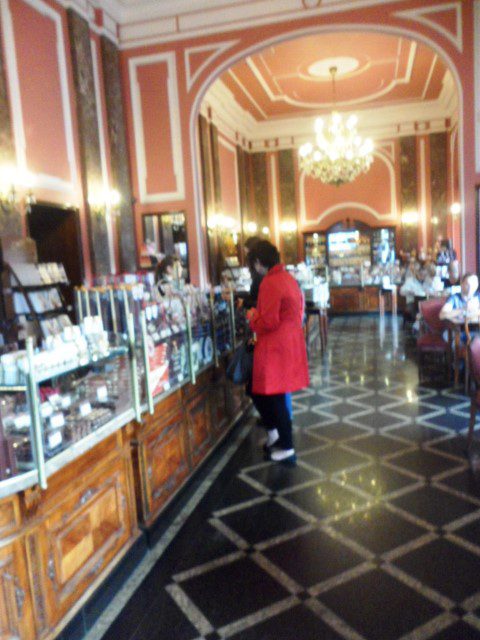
[
  {"x": 199, "y": 431},
  {"x": 9, "y": 516},
  {"x": 164, "y": 463},
  {"x": 84, "y": 534},
  {"x": 16, "y": 616}
]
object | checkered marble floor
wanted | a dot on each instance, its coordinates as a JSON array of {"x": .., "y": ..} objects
[{"x": 375, "y": 535}]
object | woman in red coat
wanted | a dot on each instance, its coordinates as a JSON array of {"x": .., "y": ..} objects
[{"x": 280, "y": 357}]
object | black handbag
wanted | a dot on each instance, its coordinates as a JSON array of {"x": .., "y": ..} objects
[{"x": 240, "y": 367}]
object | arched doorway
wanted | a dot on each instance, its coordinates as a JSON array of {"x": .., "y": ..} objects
[{"x": 292, "y": 35}]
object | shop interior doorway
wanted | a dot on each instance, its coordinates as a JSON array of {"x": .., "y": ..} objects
[{"x": 57, "y": 235}]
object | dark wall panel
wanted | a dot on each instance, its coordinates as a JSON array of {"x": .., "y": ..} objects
[
  {"x": 288, "y": 209},
  {"x": 260, "y": 188},
  {"x": 81, "y": 54},
  {"x": 208, "y": 195},
  {"x": 119, "y": 154},
  {"x": 438, "y": 173},
  {"x": 408, "y": 189}
]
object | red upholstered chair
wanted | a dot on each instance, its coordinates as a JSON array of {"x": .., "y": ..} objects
[
  {"x": 431, "y": 340},
  {"x": 474, "y": 359}
]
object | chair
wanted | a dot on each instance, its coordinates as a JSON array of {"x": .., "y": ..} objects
[
  {"x": 474, "y": 358},
  {"x": 313, "y": 310},
  {"x": 431, "y": 340}
]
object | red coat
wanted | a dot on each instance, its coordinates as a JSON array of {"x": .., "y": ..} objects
[{"x": 280, "y": 356}]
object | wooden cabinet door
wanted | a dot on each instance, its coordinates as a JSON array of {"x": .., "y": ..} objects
[
  {"x": 164, "y": 462},
  {"x": 199, "y": 423},
  {"x": 235, "y": 396},
  {"x": 218, "y": 403},
  {"x": 344, "y": 300},
  {"x": 16, "y": 616},
  {"x": 83, "y": 533}
]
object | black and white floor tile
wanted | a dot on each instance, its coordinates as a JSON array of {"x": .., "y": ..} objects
[{"x": 375, "y": 535}]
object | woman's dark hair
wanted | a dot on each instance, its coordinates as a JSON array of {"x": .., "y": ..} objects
[
  {"x": 251, "y": 242},
  {"x": 266, "y": 253},
  {"x": 161, "y": 269}
]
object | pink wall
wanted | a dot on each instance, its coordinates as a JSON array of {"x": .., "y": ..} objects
[
  {"x": 171, "y": 149},
  {"x": 374, "y": 194},
  {"x": 157, "y": 132},
  {"x": 379, "y": 17}
]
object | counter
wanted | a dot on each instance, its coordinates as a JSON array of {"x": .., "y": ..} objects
[
  {"x": 355, "y": 299},
  {"x": 58, "y": 545},
  {"x": 75, "y": 501}
]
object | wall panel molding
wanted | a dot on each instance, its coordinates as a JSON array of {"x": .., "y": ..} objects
[
  {"x": 176, "y": 150},
  {"x": 43, "y": 180}
]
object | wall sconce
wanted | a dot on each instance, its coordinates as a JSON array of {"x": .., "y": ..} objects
[
  {"x": 13, "y": 179},
  {"x": 222, "y": 223},
  {"x": 265, "y": 231},
  {"x": 103, "y": 201},
  {"x": 288, "y": 226},
  {"x": 434, "y": 220},
  {"x": 251, "y": 227},
  {"x": 456, "y": 209},
  {"x": 410, "y": 217}
]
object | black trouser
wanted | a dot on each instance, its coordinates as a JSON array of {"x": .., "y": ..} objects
[{"x": 275, "y": 415}]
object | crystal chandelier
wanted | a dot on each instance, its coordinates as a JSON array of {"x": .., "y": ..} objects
[{"x": 339, "y": 154}]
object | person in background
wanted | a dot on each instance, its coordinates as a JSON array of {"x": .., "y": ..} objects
[
  {"x": 467, "y": 301},
  {"x": 453, "y": 279},
  {"x": 280, "y": 356},
  {"x": 431, "y": 282},
  {"x": 447, "y": 253},
  {"x": 413, "y": 283},
  {"x": 168, "y": 273}
]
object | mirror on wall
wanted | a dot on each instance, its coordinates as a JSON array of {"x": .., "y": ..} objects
[{"x": 165, "y": 233}]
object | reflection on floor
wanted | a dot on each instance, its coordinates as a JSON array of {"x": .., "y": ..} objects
[{"x": 374, "y": 535}]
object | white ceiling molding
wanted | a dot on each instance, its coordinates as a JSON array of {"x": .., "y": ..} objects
[
  {"x": 227, "y": 113},
  {"x": 419, "y": 15},
  {"x": 378, "y": 123},
  {"x": 86, "y": 9},
  {"x": 217, "y": 48},
  {"x": 146, "y": 23},
  {"x": 338, "y": 103}
]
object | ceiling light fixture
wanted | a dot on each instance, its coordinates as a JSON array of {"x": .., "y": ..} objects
[{"x": 339, "y": 154}]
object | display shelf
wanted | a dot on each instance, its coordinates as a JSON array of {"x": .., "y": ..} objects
[{"x": 65, "y": 369}]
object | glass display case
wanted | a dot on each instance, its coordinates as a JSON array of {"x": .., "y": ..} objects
[
  {"x": 315, "y": 246},
  {"x": 165, "y": 346},
  {"x": 223, "y": 320},
  {"x": 348, "y": 249},
  {"x": 56, "y": 402},
  {"x": 177, "y": 335}
]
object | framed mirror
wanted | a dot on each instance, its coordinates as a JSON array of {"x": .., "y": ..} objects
[{"x": 164, "y": 234}]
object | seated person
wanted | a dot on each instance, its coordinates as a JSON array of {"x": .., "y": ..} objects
[
  {"x": 432, "y": 283},
  {"x": 413, "y": 284},
  {"x": 466, "y": 302},
  {"x": 453, "y": 279}
]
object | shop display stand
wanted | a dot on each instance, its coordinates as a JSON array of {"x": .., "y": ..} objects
[{"x": 17, "y": 287}]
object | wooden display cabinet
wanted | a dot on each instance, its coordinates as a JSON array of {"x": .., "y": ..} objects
[
  {"x": 62, "y": 542},
  {"x": 196, "y": 401},
  {"x": 160, "y": 455},
  {"x": 16, "y": 612},
  {"x": 354, "y": 299}
]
